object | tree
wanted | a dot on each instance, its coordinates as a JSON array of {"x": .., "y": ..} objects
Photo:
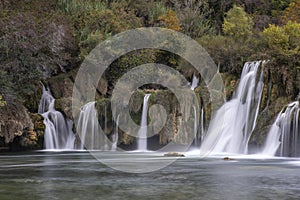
[
  {"x": 292, "y": 13},
  {"x": 170, "y": 21},
  {"x": 194, "y": 16},
  {"x": 2, "y": 102},
  {"x": 283, "y": 39},
  {"x": 237, "y": 24}
]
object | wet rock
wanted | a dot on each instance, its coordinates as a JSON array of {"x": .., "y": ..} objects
[
  {"x": 227, "y": 158},
  {"x": 174, "y": 154}
]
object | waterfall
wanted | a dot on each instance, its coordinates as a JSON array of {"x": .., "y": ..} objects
[
  {"x": 202, "y": 124},
  {"x": 283, "y": 138},
  {"x": 231, "y": 127},
  {"x": 195, "y": 127},
  {"x": 58, "y": 132},
  {"x": 195, "y": 82},
  {"x": 142, "y": 133},
  {"x": 116, "y": 135},
  {"x": 88, "y": 129}
]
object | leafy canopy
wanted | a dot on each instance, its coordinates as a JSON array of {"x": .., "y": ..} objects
[{"x": 237, "y": 23}]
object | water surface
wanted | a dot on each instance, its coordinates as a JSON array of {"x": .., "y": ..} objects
[{"x": 77, "y": 175}]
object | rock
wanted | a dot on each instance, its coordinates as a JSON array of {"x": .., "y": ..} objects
[
  {"x": 227, "y": 158},
  {"x": 174, "y": 154},
  {"x": 102, "y": 86},
  {"x": 14, "y": 119},
  {"x": 61, "y": 86},
  {"x": 64, "y": 105}
]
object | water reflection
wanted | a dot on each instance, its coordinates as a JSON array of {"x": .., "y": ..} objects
[{"x": 61, "y": 175}]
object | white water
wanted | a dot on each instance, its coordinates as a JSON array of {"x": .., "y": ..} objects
[
  {"x": 232, "y": 125},
  {"x": 195, "y": 82},
  {"x": 142, "y": 134},
  {"x": 202, "y": 124},
  {"x": 58, "y": 132},
  {"x": 283, "y": 138},
  {"x": 89, "y": 130},
  {"x": 195, "y": 127},
  {"x": 88, "y": 127},
  {"x": 116, "y": 135}
]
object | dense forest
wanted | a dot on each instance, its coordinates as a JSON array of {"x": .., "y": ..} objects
[{"x": 46, "y": 41}]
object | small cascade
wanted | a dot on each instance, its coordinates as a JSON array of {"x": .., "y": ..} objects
[
  {"x": 284, "y": 136},
  {"x": 196, "y": 139},
  {"x": 58, "y": 132},
  {"x": 88, "y": 128},
  {"x": 202, "y": 120},
  {"x": 142, "y": 133},
  {"x": 116, "y": 135},
  {"x": 195, "y": 82},
  {"x": 232, "y": 125}
]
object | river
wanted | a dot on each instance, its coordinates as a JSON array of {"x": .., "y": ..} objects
[{"x": 78, "y": 175}]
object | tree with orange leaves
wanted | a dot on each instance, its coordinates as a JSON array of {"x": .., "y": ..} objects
[
  {"x": 292, "y": 13},
  {"x": 169, "y": 20}
]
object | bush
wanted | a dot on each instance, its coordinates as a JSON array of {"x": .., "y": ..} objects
[
  {"x": 283, "y": 39},
  {"x": 237, "y": 24}
]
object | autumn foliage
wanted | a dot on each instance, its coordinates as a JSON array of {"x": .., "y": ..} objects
[{"x": 170, "y": 21}]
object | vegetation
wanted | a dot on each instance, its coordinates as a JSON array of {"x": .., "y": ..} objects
[
  {"x": 40, "y": 39},
  {"x": 2, "y": 102}
]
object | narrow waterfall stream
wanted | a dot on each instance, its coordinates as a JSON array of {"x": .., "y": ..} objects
[
  {"x": 115, "y": 135},
  {"x": 58, "y": 132},
  {"x": 195, "y": 82},
  {"x": 284, "y": 136},
  {"x": 232, "y": 125},
  {"x": 202, "y": 120},
  {"x": 142, "y": 134}
]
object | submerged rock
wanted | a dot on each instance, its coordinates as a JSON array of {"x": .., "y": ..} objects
[
  {"x": 227, "y": 158},
  {"x": 174, "y": 154}
]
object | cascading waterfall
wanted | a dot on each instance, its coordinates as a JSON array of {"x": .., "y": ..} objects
[
  {"x": 116, "y": 135},
  {"x": 283, "y": 138},
  {"x": 142, "y": 133},
  {"x": 195, "y": 127},
  {"x": 58, "y": 132},
  {"x": 88, "y": 129},
  {"x": 232, "y": 125},
  {"x": 195, "y": 82},
  {"x": 202, "y": 124}
]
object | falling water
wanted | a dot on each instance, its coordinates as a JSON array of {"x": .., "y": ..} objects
[
  {"x": 116, "y": 135},
  {"x": 193, "y": 86},
  {"x": 195, "y": 127},
  {"x": 87, "y": 128},
  {"x": 283, "y": 138},
  {"x": 202, "y": 124},
  {"x": 194, "y": 82},
  {"x": 142, "y": 134},
  {"x": 58, "y": 132},
  {"x": 232, "y": 125}
]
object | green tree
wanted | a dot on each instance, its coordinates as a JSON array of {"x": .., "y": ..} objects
[
  {"x": 283, "y": 39},
  {"x": 2, "y": 102},
  {"x": 237, "y": 24},
  {"x": 194, "y": 16},
  {"x": 292, "y": 13}
]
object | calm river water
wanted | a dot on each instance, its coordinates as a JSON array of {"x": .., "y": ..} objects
[{"x": 77, "y": 175}]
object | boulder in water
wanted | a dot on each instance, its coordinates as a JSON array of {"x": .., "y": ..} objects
[
  {"x": 227, "y": 158},
  {"x": 174, "y": 154}
]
